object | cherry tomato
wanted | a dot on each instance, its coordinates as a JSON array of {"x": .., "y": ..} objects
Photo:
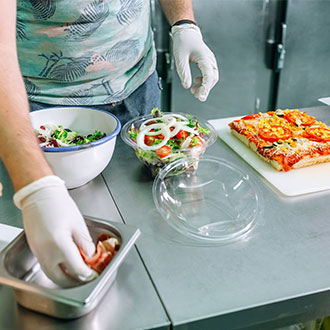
[
  {"x": 318, "y": 134},
  {"x": 150, "y": 139},
  {"x": 196, "y": 141},
  {"x": 253, "y": 116},
  {"x": 163, "y": 151},
  {"x": 274, "y": 133},
  {"x": 182, "y": 134},
  {"x": 304, "y": 118}
]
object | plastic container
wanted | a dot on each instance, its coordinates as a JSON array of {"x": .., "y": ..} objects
[
  {"x": 151, "y": 159},
  {"x": 212, "y": 203}
]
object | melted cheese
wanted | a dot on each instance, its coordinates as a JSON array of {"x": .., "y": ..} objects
[{"x": 297, "y": 147}]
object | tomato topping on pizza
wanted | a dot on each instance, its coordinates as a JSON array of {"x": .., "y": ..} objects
[
  {"x": 274, "y": 133},
  {"x": 253, "y": 116},
  {"x": 299, "y": 118},
  {"x": 287, "y": 139},
  {"x": 319, "y": 134}
]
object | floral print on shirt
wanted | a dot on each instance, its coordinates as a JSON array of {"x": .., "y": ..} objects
[{"x": 84, "y": 52}]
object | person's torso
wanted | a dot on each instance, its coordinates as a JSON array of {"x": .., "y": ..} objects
[{"x": 84, "y": 51}]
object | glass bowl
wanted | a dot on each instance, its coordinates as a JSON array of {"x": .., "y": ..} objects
[
  {"x": 213, "y": 203},
  {"x": 151, "y": 159}
]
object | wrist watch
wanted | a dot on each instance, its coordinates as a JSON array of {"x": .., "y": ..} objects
[{"x": 184, "y": 21}]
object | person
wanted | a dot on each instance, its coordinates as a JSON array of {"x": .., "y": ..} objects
[{"x": 96, "y": 53}]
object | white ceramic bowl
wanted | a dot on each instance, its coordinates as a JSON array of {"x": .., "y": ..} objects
[{"x": 79, "y": 164}]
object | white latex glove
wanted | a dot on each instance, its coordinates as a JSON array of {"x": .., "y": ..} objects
[
  {"x": 188, "y": 46},
  {"x": 53, "y": 226}
]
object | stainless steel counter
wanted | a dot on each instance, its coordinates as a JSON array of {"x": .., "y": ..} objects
[
  {"x": 279, "y": 275},
  {"x": 132, "y": 301}
]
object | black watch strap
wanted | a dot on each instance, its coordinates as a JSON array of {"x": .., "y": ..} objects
[{"x": 184, "y": 21}]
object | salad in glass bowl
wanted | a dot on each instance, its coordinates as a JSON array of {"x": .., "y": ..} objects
[{"x": 161, "y": 138}]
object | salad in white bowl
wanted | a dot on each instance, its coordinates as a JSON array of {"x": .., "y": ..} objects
[
  {"x": 53, "y": 136},
  {"x": 68, "y": 138},
  {"x": 161, "y": 138}
]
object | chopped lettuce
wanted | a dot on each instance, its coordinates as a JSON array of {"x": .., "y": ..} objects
[
  {"x": 190, "y": 135},
  {"x": 56, "y": 136}
]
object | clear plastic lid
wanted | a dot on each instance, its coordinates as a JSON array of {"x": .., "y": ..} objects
[{"x": 208, "y": 200}]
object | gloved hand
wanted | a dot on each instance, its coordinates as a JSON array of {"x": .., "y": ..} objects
[
  {"x": 53, "y": 226},
  {"x": 188, "y": 46}
]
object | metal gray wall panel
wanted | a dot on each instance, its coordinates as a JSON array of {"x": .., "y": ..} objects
[
  {"x": 306, "y": 73},
  {"x": 234, "y": 31}
]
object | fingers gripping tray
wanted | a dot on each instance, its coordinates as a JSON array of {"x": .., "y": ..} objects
[{"x": 33, "y": 290}]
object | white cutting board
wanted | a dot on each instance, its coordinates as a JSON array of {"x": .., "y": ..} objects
[
  {"x": 293, "y": 183},
  {"x": 325, "y": 100}
]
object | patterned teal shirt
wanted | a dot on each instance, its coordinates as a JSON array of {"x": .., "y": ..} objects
[{"x": 84, "y": 52}]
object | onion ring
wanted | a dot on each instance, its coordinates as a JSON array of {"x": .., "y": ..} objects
[
  {"x": 189, "y": 129},
  {"x": 167, "y": 122},
  {"x": 164, "y": 130},
  {"x": 177, "y": 127}
]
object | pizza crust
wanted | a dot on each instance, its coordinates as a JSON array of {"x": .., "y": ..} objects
[
  {"x": 252, "y": 146},
  {"x": 312, "y": 161},
  {"x": 308, "y": 161}
]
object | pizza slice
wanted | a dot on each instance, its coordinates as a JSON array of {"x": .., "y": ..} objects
[{"x": 287, "y": 139}]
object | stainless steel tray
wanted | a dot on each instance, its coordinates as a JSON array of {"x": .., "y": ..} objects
[{"x": 20, "y": 270}]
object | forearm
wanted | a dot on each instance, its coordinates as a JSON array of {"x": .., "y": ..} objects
[
  {"x": 19, "y": 149},
  {"x": 176, "y": 10}
]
